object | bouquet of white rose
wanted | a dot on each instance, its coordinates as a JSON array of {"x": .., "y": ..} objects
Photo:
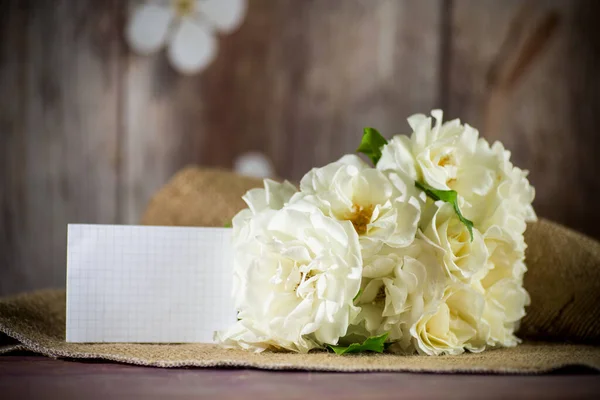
[{"x": 424, "y": 252}]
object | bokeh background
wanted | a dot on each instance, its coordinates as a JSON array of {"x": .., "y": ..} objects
[{"x": 89, "y": 130}]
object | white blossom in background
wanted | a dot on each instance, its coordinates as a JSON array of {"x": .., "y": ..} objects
[
  {"x": 186, "y": 27},
  {"x": 254, "y": 164}
]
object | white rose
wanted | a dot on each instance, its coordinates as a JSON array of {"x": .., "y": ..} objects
[
  {"x": 513, "y": 184},
  {"x": 397, "y": 283},
  {"x": 504, "y": 196},
  {"x": 449, "y": 156},
  {"x": 298, "y": 273},
  {"x": 505, "y": 253},
  {"x": 461, "y": 257},
  {"x": 273, "y": 197},
  {"x": 451, "y": 325},
  {"x": 505, "y": 303},
  {"x": 432, "y": 154},
  {"x": 349, "y": 189},
  {"x": 502, "y": 287}
]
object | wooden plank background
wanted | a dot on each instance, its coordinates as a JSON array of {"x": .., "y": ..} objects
[{"x": 88, "y": 130}]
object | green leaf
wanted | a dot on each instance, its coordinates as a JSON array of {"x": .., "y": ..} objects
[
  {"x": 228, "y": 225},
  {"x": 448, "y": 196},
  {"x": 371, "y": 144},
  {"x": 360, "y": 291},
  {"x": 375, "y": 344}
]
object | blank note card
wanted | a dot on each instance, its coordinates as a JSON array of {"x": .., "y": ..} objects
[{"x": 148, "y": 284}]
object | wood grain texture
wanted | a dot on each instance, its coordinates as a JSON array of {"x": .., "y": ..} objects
[
  {"x": 61, "y": 129},
  {"x": 300, "y": 80},
  {"x": 12, "y": 142},
  {"x": 547, "y": 122},
  {"x": 23, "y": 377},
  {"x": 89, "y": 131}
]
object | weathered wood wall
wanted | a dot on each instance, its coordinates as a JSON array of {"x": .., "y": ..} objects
[{"x": 88, "y": 131}]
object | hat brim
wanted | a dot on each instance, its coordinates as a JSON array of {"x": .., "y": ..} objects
[{"x": 36, "y": 322}]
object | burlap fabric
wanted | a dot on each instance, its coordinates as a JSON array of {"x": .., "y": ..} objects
[{"x": 562, "y": 327}]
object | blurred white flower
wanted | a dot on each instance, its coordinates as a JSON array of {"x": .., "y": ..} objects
[
  {"x": 254, "y": 164},
  {"x": 186, "y": 27}
]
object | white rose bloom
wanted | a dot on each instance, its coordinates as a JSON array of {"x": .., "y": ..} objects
[
  {"x": 502, "y": 287},
  {"x": 505, "y": 252},
  {"x": 449, "y": 156},
  {"x": 397, "y": 283},
  {"x": 461, "y": 257},
  {"x": 505, "y": 198},
  {"x": 451, "y": 325},
  {"x": 297, "y": 274},
  {"x": 349, "y": 189},
  {"x": 273, "y": 197},
  {"x": 432, "y": 154},
  {"x": 505, "y": 303},
  {"x": 302, "y": 256}
]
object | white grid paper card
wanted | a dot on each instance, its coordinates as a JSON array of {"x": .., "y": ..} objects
[{"x": 148, "y": 284}]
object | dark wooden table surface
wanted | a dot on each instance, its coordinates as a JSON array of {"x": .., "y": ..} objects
[{"x": 24, "y": 377}]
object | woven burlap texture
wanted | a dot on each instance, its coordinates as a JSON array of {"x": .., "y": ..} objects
[{"x": 563, "y": 280}]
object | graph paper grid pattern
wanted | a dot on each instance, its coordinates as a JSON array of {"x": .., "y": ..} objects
[{"x": 148, "y": 284}]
